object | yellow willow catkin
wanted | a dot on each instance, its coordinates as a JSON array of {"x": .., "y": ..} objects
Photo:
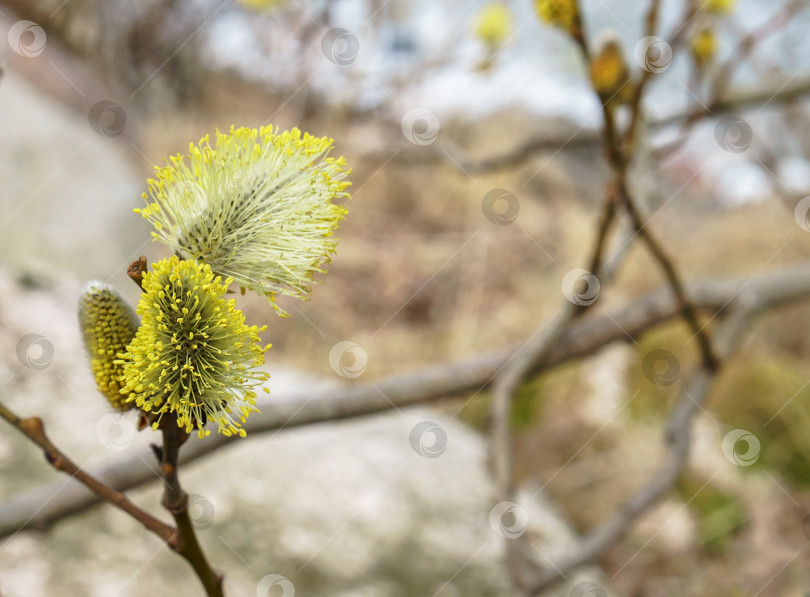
[
  {"x": 494, "y": 24},
  {"x": 703, "y": 46},
  {"x": 610, "y": 76},
  {"x": 193, "y": 354},
  {"x": 720, "y": 7},
  {"x": 108, "y": 325},
  {"x": 559, "y": 13},
  {"x": 257, "y": 206}
]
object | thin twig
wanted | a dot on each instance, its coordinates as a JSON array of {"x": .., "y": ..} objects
[
  {"x": 573, "y": 138},
  {"x": 719, "y": 100},
  {"x": 175, "y": 500},
  {"x": 524, "y": 360},
  {"x": 658, "y": 252},
  {"x": 521, "y": 365},
  {"x": 646, "y": 74},
  {"x": 34, "y": 429}
]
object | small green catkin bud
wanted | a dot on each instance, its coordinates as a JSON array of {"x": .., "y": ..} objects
[{"x": 108, "y": 325}]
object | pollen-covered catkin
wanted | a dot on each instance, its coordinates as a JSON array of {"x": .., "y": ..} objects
[
  {"x": 108, "y": 325},
  {"x": 257, "y": 206},
  {"x": 193, "y": 354}
]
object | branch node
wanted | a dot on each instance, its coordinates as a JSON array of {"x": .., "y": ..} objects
[
  {"x": 32, "y": 426},
  {"x": 136, "y": 270}
]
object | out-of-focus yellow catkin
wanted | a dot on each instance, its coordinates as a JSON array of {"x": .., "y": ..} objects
[
  {"x": 703, "y": 45},
  {"x": 259, "y": 5},
  {"x": 560, "y": 13},
  {"x": 610, "y": 75},
  {"x": 720, "y": 7},
  {"x": 108, "y": 325},
  {"x": 494, "y": 24}
]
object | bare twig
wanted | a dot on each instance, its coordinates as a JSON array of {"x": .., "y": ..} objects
[
  {"x": 37, "y": 508},
  {"x": 646, "y": 74},
  {"x": 688, "y": 310},
  {"x": 524, "y": 360},
  {"x": 518, "y": 368},
  {"x": 34, "y": 429},
  {"x": 175, "y": 500},
  {"x": 720, "y": 100}
]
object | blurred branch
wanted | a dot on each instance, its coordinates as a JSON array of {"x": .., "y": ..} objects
[
  {"x": 619, "y": 151},
  {"x": 678, "y": 433},
  {"x": 742, "y": 97},
  {"x": 744, "y": 48},
  {"x": 126, "y": 43},
  {"x": 523, "y": 361},
  {"x": 646, "y": 74},
  {"x": 519, "y": 366},
  {"x": 40, "y": 507},
  {"x": 657, "y": 251},
  {"x": 720, "y": 100},
  {"x": 781, "y": 92}
]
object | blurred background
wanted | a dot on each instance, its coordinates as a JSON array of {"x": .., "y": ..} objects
[{"x": 435, "y": 106}]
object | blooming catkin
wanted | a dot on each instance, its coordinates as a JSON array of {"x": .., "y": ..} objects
[
  {"x": 610, "y": 76},
  {"x": 108, "y": 325},
  {"x": 493, "y": 25},
  {"x": 703, "y": 46},
  {"x": 720, "y": 7},
  {"x": 560, "y": 13},
  {"x": 193, "y": 354},
  {"x": 257, "y": 206}
]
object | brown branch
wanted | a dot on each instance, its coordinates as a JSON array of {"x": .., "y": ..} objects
[
  {"x": 619, "y": 152},
  {"x": 747, "y": 45},
  {"x": 517, "y": 369},
  {"x": 183, "y": 539},
  {"x": 34, "y": 429},
  {"x": 687, "y": 309},
  {"x": 175, "y": 500},
  {"x": 619, "y": 158},
  {"x": 504, "y": 387},
  {"x": 646, "y": 74},
  {"x": 524, "y": 360},
  {"x": 37, "y": 508}
]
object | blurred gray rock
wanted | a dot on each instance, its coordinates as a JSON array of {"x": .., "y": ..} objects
[{"x": 68, "y": 192}]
